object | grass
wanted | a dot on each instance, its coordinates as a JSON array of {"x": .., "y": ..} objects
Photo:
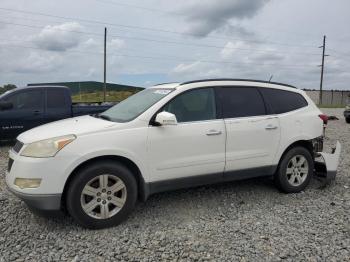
[
  {"x": 331, "y": 106},
  {"x": 117, "y": 96},
  {"x": 111, "y": 96}
]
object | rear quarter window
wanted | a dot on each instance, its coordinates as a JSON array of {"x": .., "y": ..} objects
[
  {"x": 282, "y": 101},
  {"x": 56, "y": 98}
]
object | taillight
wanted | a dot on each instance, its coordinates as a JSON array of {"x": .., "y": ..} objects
[{"x": 324, "y": 118}]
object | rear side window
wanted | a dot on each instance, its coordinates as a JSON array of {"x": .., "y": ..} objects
[
  {"x": 242, "y": 102},
  {"x": 282, "y": 101},
  {"x": 55, "y": 98}
]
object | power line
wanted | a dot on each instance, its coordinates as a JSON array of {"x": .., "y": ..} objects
[
  {"x": 140, "y": 7},
  {"x": 339, "y": 52},
  {"x": 164, "y": 41},
  {"x": 164, "y": 58},
  {"x": 118, "y": 3},
  {"x": 52, "y": 23},
  {"x": 150, "y": 29},
  {"x": 160, "y": 56},
  {"x": 42, "y": 27}
]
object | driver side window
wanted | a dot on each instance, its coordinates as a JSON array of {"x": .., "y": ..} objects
[
  {"x": 194, "y": 105},
  {"x": 27, "y": 100}
]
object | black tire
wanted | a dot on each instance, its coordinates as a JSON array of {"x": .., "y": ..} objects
[
  {"x": 347, "y": 120},
  {"x": 88, "y": 173},
  {"x": 281, "y": 176}
]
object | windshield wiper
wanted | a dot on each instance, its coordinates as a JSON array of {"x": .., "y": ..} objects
[{"x": 105, "y": 117}]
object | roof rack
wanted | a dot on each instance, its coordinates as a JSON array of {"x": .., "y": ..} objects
[
  {"x": 237, "y": 79},
  {"x": 166, "y": 83}
]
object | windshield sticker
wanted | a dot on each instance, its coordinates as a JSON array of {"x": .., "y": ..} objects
[{"x": 162, "y": 92}]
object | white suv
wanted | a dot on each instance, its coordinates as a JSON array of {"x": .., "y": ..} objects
[{"x": 167, "y": 137}]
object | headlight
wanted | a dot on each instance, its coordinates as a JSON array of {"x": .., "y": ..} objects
[{"x": 48, "y": 147}]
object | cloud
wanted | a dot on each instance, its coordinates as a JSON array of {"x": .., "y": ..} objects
[
  {"x": 186, "y": 68},
  {"x": 37, "y": 63},
  {"x": 229, "y": 49},
  {"x": 266, "y": 58},
  {"x": 2, "y": 26},
  {"x": 58, "y": 37},
  {"x": 257, "y": 23},
  {"x": 92, "y": 72},
  {"x": 206, "y": 16},
  {"x": 91, "y": 43},
  {"x": 115, "y": 44},
  {"x": 196, "y": 69},
  {"x": 233, "y": 50},
  {"x": 236, "y": 30}
]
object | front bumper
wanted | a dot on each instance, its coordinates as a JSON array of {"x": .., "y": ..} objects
[
  {"x": 47, "y": 197},
  {"x": 48, "y": 202},
  {"x": 326, "y": 164}
]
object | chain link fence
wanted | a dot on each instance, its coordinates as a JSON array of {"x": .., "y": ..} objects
[{"x": 334, "y": 98}]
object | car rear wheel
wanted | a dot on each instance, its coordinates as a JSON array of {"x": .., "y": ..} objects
[
  {"x": 101, "y": 195},
  {"x": 347, "y": 120},
  {"x": 295, "y": 170}
]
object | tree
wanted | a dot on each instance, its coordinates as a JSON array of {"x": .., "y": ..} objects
[{"x": 7, "y": 88}]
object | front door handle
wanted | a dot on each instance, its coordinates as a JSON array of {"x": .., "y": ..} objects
[
  {"x": 271, "y": 127},
  {"x": 214, "y": 133}
]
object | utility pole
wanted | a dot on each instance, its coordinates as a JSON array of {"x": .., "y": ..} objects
[
  {"x": 105, "y": 67},
  {"x": 322, "y": 67}
]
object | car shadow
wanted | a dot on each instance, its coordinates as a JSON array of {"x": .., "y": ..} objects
[{"x": 184, "y": 205}]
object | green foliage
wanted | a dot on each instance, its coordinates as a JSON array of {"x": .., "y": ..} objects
[
  {"x": 331, "y": 106},
  {"x": 111, "y": 96},
  {"x": 7, "y": 88},
  {"x": 91, "y": 87}
]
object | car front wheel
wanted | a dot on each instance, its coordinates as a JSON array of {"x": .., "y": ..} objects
[
  {"x": 101, "y": 195},
  {"x": 295, "y": 170}
]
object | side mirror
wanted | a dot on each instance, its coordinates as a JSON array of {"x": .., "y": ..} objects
[
  {"x": 165, "y": 119},
  {"x": 4, "y": 105}
]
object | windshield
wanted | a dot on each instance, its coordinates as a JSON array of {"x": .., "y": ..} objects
[
  {"x": 4, "y": 94},
  {"x": 135, "y": 105}
]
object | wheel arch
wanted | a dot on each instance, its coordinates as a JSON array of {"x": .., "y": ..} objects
[
  {"x": 142, "y": 189},
  {"x": 303, "y": 143}
]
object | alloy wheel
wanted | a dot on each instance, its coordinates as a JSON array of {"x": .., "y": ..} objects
[
  {"x": 297, "y": 170},
  {"x": 103, "y": 196}
]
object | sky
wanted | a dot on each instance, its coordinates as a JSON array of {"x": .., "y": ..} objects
[{"x": 155, "y": 41}]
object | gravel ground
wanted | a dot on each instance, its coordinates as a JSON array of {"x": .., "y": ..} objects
[{"x": 245, "y": 220}]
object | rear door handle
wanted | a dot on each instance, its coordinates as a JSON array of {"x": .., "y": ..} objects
[
  {"x": 37, "y": 112},
  {"x": 214, "y": 133},
  {"x": 271, "y": 127}
]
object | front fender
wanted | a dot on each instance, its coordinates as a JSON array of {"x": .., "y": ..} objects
[{"x": 108, "y": 152}]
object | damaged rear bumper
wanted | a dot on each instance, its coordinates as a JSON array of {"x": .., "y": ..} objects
[{"x": 326, "y": 164}]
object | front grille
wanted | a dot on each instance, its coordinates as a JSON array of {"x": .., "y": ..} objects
[
  {"x": 18, "y": 146},
  {"x": 9, "y": 165}
]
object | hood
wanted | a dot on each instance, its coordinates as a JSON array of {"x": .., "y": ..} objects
[{"x": 72, "y": 126}]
